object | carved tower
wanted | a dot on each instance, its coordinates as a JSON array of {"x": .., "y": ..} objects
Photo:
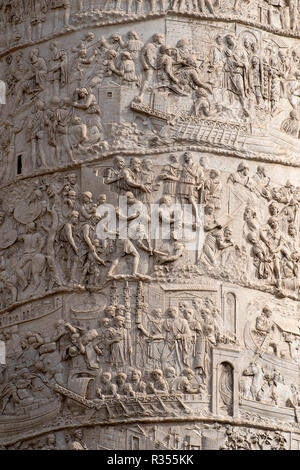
[{"x": 149, "y": 224}]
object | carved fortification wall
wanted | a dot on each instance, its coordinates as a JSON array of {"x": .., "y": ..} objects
[{"x": 149, "y": 224}]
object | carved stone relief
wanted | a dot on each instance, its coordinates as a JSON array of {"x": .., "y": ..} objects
[{"x": 149, "y": 225}]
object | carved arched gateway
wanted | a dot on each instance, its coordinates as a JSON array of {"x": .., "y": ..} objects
[
  {"x": 226, "y": 384},
  {"x": 225, "y": 381}
]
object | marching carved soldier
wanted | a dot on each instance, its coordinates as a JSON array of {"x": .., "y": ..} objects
[
  {"x": 57, "y": 6},
  {"x": 121, "y": 349},
  {"x": 191, "y": 180},
  {"x": 170, "y": 176},
  {"x": 133, "y": 44},
  {"x": 149, "y": 56},
  {"x": 208, "y": 5},
  {"x": 76, "y": 441},
  {"x": 68, "y": 244},
  {"x": 32, "y": 258},
  {"x": 50, "y": 252},
  {"x": 36, "y": 134},
  {"x": 58, "y": 71},
  {"x": 255, "y": 74},
  {"x": 235, "y": 72},
  {"x": 213, "y": 189}
]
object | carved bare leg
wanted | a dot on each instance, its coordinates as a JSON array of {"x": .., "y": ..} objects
[
  {"x": 129, "y": 6},
  {"x": 135, "y": 264},
  {"x": 236, "y": 5},
  {"x": 33, "y": 153},
  {"x": 53, "y": 269},
  {"x": 42, "y": 153},
  {"x": 209, "y": 6},
  {"x": 39, "y": 30},
  {"x": 138, "y": 7},
  {"x": 113, "y": 267},
  {"x": 67, "y": 147},
  {"x": 56, "y": 20},
  {"x": 67, "y": 17},
  {"x": 74, "y": 267},
  {"x": 21, "y": 275},
  {"x": 153, "y": 4}
]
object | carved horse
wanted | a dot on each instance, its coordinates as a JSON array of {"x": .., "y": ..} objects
[{"x": 251, "y": 384}]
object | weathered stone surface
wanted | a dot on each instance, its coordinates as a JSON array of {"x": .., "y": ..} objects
[{"x": 149, "y": 224}]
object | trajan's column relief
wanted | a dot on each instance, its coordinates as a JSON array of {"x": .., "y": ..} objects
[{"x": 150, "y": 224}]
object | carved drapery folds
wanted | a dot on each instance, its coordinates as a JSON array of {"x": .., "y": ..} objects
[{"x": 149, "y": 225}]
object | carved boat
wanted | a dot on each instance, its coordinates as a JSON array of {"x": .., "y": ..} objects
[{"x": 34, "y": 415}]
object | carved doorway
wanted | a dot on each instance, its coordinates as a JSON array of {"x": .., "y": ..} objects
[{"x": 226, "y": 388}]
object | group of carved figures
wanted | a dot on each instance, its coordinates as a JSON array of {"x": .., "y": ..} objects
[
  {"x": 268, "y": 386},
  {"x": 268, "y": 241},
  {"x": 275, "y": 241},
  {"x": 174, "y": 347},
  {"x": 63, "y": 237},
  {"x": 236, "y": 77},
  {"x": 272, "y": 338},
  {"x": 58, "y": 223},
  {"x": 71, "y": 239},
  {"x": 102, "y": 364},
  {"x": 236, "y": 438},
  {"x": 72, "y": 440},
  {"x": 248, "y": 439},
  {"x": 21, "y": 18}
]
